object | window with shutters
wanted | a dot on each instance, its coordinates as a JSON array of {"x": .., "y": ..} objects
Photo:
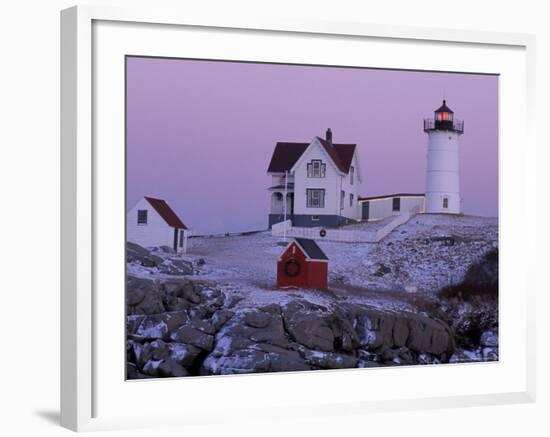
[
  {"x": 316, "y": 169},
  {"x": 315, "y": 198}
]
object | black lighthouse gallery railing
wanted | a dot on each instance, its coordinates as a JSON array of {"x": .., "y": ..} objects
[{"x": 430, "y": 124}]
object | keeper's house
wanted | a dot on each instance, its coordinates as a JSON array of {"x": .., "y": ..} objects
[
  {"x": 152, "y": 223},
  {"x": 315, "y": 183},
  {"x": 379, "y": 207},
  {"x": 302, "y": 265}
]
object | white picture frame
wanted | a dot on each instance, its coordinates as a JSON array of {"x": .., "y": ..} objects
[{"x": 88, "y": 402}]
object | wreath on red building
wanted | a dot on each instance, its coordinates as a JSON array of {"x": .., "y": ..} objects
[{"x": 292, "y": 267}]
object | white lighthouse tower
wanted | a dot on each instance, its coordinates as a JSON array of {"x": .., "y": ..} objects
[{"x": 443, "y": 169}]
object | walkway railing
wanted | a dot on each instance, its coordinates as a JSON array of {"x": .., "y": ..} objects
[{"x": 343, "y": 235}]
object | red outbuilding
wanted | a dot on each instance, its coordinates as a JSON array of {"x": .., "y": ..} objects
[{"x": 302, "y": 265}]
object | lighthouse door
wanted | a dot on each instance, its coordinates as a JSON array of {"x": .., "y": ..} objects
[{"x": 365, "y": 211}]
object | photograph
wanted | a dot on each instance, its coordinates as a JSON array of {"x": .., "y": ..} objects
[{"x": 292, "y": 217}]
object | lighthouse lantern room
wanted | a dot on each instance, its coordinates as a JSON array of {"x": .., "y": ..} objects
[{"x": 443, "y": 167}]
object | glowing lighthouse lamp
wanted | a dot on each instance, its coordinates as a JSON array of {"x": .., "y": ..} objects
[{"x": 443, "y": 167}]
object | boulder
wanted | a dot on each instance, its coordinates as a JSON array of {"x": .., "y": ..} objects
[
  {"x": 173, "y": 286},
  {"x": 274, "y": 333},
  {"x": 151, "y": 368},
  {"x": 184, "y": 354},
  {"x": 378, "y": 329},
  {"x": 374, "y": 329},
  {"x": 220, "y": 318},
  {"x": 257, "y": 319},
  {"x": 489, "y": 354},
  {"x": 285, "y": 360},
  {"x": 176, "y": 266},
  {"x": 132, "y": 372},
  {"x": 328, "y": 360},
  {"x": 143, "y": 296},
  {"x": 429, "y": 335},
  {"x": 309, "y": 325},
  {"x": 241, "y": 361},
  {"x": 465, "y": 356},
  {"x": 132, "y": 323},
  {"x": 164, "y": 368},
  {"x": 167, "y": 249},
  {"x": 137, "y": 254},
  {"x": 489, "y": 339},
  {"x": 391, "y": 354},
  {"x": 210, "y": 293},
  {"x": 156, "y": 350},
  {"x": 160, "y": 325},
  {"x": 169, "y": 368},
  {"x": 193, "y": 336},
  {"x": 191, "y": 293},
  {"x": 202, "y": 325}
]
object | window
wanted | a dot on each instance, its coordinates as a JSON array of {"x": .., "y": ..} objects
[
  {"x": 142, "y": 217},
  {"x": 445, "y": 202},
  {"x": 316, "y": 169},
  {"x": 351, "y": 199},
  {"x": 315, "y": 198},
  {"x": 181, "y": 237},
  {"x": 351, "y": 174},
  {"x": 342, "y": 199},
  {"x": 396, "y": 204}
]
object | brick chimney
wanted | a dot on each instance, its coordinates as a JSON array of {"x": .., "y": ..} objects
[{"x": 328, "y": 136}]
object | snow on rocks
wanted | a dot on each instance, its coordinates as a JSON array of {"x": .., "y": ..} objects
[{"x": 296, "y": 335}]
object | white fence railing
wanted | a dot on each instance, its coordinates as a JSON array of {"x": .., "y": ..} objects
[{"x": 343, "y": 235}]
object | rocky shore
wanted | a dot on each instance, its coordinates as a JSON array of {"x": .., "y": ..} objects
[{"x": 181, "y": 325}]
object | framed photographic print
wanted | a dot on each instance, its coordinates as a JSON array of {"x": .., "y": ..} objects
[{"x": 332, "y": 214}]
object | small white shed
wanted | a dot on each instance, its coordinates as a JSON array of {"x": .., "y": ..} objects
[{"x": 152, "y": 223}]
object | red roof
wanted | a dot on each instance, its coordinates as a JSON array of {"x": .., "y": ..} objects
[
  {"x": 286, "y": 155},
  {"x": 164, "y": 210}
]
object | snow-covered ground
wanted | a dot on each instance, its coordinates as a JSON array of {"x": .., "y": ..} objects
[{"x": 428, "y": 252}]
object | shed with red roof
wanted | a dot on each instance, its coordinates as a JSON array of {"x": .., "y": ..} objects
[
  {"x": 153, "y": 223},
  {"x": 302, "y": 264}
]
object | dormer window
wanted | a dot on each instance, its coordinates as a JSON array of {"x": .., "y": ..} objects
[{"x": 316, "y": 169}]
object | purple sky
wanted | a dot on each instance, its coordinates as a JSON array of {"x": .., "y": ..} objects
[{"x": 200, "y": 134}]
